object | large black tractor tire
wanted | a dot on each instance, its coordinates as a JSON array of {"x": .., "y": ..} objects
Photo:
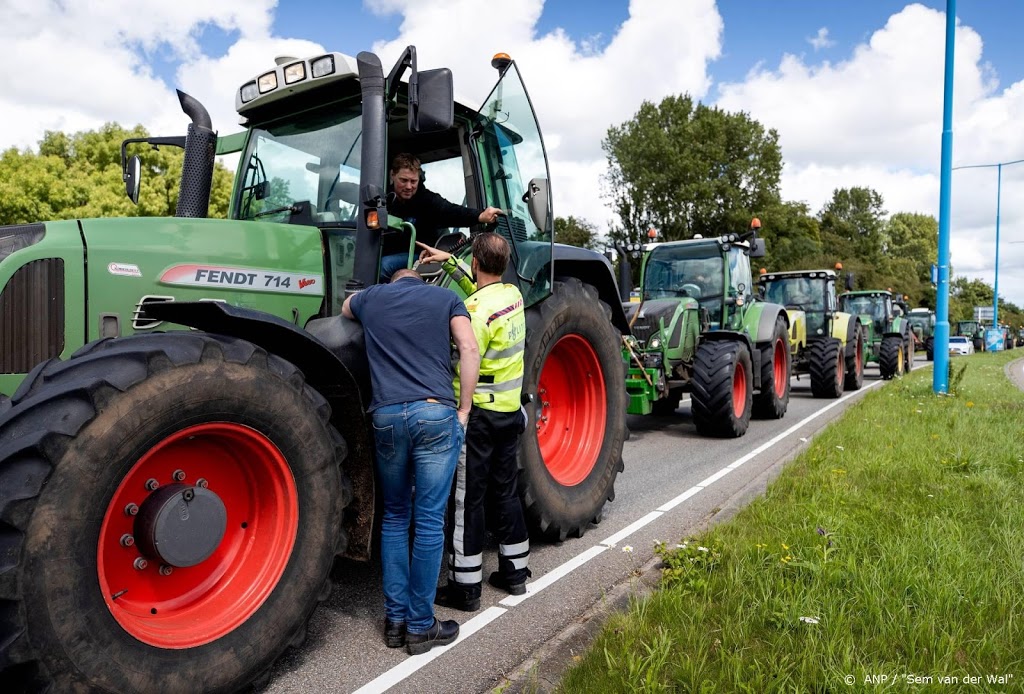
[
  {"x": 855, "y": 360},
  {"x": 172, "y": 505},
  {"x": 722, "y": 389},
  {"x": 571, "y": 452},
  {"x": 828, "y": 367},
  {"x": 668, "y": 405},
  {"x": 929, "y": 349},
  {"x": 772, "y": 399},
  {"x": 908, "y": 353},
  {"x": 892, "y": 357}
]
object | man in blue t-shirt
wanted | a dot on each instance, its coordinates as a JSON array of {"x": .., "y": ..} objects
[{"x": 418, "y": 432}]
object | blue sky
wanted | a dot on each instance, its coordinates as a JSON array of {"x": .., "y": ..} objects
[{"x": 853, "y": 87}]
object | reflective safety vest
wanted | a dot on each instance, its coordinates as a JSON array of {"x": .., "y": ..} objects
[{"x": 499, "y": 323}]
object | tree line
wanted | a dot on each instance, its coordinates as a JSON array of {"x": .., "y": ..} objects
[{"x": 679, "y": 166}]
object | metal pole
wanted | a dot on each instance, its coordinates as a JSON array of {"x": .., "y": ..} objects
[
  {"x": 940, "y": 372},
  {"x": 995, "y": 291}
]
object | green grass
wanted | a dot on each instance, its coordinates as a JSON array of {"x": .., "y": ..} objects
[{"x": 900, "y": 531}]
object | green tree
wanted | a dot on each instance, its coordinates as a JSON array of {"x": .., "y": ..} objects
[
  {"x": 911, "y": 246},
  {"x": 575, "y": 231},
  {"x": 686, "y": 168},
  {"x": 853, "y": 232},
  {"x": 792, "y": 238},
  {"x": 79, "y": 176}
]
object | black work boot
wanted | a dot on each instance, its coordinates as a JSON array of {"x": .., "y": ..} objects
[
  {"x": 458, "y": 598},
  {"x": 394, "y": 634},
  {"x": 439, "y": 634},
  {"x": 500, "y": 582}
]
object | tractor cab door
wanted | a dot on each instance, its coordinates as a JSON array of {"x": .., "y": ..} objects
[{"x": 513, "y": 172}]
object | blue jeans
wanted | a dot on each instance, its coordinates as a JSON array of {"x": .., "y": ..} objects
[
  {"x": 418, "y": 445},
  {"x": 390, "y": 264}
]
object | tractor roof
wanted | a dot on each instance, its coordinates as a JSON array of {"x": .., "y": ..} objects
[
  {"x": 868, "y": 292},
  {"x": 812, "y": 274}
]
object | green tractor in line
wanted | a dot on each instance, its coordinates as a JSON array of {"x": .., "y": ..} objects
[
  {"x": 889, "y": 341},
  {"x": 184, "y": 441},
  {"x": 699, "y": 329},
  {"x": 974, "y": 330},
  {"x": 825, "y": 343},
  {"x": 922, "y": 324}
]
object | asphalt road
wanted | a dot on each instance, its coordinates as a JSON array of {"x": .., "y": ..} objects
[{"x": 674, "y": 482}]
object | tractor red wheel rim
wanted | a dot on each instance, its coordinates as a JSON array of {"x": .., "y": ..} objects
[
  {"x": 190, "y": 606},
  {"x": 572, "y": 410},
  {"x": 739, "y": 390},
  {"x": 779, "y": 371},
  {"x": 840, "y": 370}
]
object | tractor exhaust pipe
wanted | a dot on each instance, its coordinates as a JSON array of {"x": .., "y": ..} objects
[{"x": 197, "y": 168}]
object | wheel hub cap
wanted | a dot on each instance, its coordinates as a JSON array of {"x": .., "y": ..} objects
[{"x": 180, "y": 525}]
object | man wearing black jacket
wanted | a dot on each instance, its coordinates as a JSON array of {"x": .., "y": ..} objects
[{"x": 425, "y": 210}]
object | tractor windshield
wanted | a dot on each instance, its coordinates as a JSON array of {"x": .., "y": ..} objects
[
  {"x": 311, "y": 159},
  {"x": 800, "y": 293},
  {"x": 873, "y": 305},
  {"x": 674, "y": 271}
]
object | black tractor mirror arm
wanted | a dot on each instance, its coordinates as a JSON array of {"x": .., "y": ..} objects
[
  {"x": 407, "y": 61},
  {"x": 176, "y": 141}
]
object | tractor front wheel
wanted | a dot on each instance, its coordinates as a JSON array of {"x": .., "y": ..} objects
[
  {"x": 571, "y": 452},
  {"x": 171, "y": 498},
  {"x": 828, "y": 367},
  {"x": 855, "y": 359},
  {"x": 892, "y": 357},
  {"x": 722, "y": 389},
  {"x": 772, "y": 400}
]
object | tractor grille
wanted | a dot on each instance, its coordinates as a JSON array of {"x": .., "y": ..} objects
[
  {"x": 651, "y": 311},
  {"x": 32, "y": 316}
]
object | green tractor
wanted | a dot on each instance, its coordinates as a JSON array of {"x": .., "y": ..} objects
[
  {"x": 922, "y": 324},
  {"x": 699, "y": 329},
  {"x": 889, "y": 341},
  {"x": 824, "y": 342},
  {"x": 185, "y": 448},
  {"x": 974, "y": 330}
]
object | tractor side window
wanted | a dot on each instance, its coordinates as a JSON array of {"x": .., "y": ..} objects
[
  {"x": 739, "y": 273},
  {"x": 445, "y": 177}
]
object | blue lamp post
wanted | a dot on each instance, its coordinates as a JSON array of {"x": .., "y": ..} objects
[
  {"x": 999, "y": 186},
  {"x": 940, "y": 372}
]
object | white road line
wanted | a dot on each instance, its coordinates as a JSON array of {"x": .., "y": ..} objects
[
  {"x": 398, "y": 673},
  {"x": 412, "y": 664}
]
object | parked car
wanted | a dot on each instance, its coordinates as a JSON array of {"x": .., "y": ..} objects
[{"x": 959, "y": 344}]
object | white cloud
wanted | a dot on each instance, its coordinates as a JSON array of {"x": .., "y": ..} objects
[{"x": 821, "y": 40}]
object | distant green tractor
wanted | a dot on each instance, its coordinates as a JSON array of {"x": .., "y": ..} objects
[
  {"x": 824, "y": 342},
  {"x": 699, "y": 329},
  {"x": 922, "y": 324},
  {"x": 974, "y": 330},
  {"x": 890, "y": 341}
]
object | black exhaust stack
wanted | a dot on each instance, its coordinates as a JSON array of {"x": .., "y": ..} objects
[{"x": 197, "y": 169}]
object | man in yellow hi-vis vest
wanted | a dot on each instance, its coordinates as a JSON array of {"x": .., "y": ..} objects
[{"x": 492, "y": 437}]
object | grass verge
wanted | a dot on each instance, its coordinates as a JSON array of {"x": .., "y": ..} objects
[{"x": 890, "y": 553}]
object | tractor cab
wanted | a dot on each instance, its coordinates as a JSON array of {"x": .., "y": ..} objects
[
  {"x": 813, "y": 292},
  {"x": 874, "y": 307}
]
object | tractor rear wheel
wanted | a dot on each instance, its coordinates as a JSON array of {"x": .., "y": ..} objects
[
  {"x": 773, "y": 398},
  {"x": 908, "y": 354},
  {"x": 168, "y": 498},
  {"x": 929, "y": 349},
  {"x": 855, "y": 359},
  {"x": 892, "y": 357},
  {"x": 722, "y": 389},
  {"x": 571, "y": 452},
  {"x": 828, "y": 367}
]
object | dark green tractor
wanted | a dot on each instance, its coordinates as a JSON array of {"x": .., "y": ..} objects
[
  {"x": 974, "y": 330},
  {"x": 888, "y": 337},
  {"x": 699, "y": 329},
  {"x": 922, "y": 324}
]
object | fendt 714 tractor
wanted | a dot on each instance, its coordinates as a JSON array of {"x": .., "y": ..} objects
[
  {"x": 825, "y": 343},
  {"x": 922, "y": 324},
  {"x": 698, "y": 329},
  {"x": 889, "y": 340},
  {"x": 186, "y": 449}
]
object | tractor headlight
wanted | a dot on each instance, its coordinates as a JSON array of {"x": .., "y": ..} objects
[
  {"x": 323, "y": 66},
  {"x": 249, "y": 92},
  {"x": 267, "y": 82},
  {"x": 655, "y": 343},
  {"x": 294, "y": 73}
]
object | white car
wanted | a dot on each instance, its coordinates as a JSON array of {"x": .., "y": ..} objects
[{"x": 958, "y": 344}]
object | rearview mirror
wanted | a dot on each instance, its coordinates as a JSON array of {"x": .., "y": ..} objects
[
  {"x": 432, "y": 102},
  {"x": 132, "y": 178},
  {"x": 849, "y": 281},
  {"x": 536, "y": 199},
  {"x": 757, "y": 249}
]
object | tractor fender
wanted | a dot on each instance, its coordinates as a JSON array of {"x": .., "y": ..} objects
[
  {"x": 898, "y": 329},
  {"x": 766, "y": 315},
  {"x": 797, "y": 329},
  {"x": 338, "y": 372},
  {"x": 594, "y": 269}
]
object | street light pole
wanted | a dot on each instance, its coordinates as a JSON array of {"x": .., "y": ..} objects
[{"x": 940, "y": 370}]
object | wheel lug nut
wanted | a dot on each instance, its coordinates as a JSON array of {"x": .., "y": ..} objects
[
  {"x": 178, "y": 475},
  {"x": 131, "y": 510},
  {"x": 202, "y": 483},
  {"x": 140, "y": 563},
  {"x": 165, "y": 569},
  {"x": 152, "y": 484},
  {"x": 127, "y": 540}
]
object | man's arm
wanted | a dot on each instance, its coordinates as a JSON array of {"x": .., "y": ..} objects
[
  {"x": 346, "y": 308},
  {"x": 469, "y": 363},
  {"x": 448, "y": 214},
  {"x": 455, "y": 268}
]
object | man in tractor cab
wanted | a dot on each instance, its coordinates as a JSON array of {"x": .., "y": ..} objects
[
  {"x": 489, "y": 468},
  {"x": 425, "y": 210}
]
